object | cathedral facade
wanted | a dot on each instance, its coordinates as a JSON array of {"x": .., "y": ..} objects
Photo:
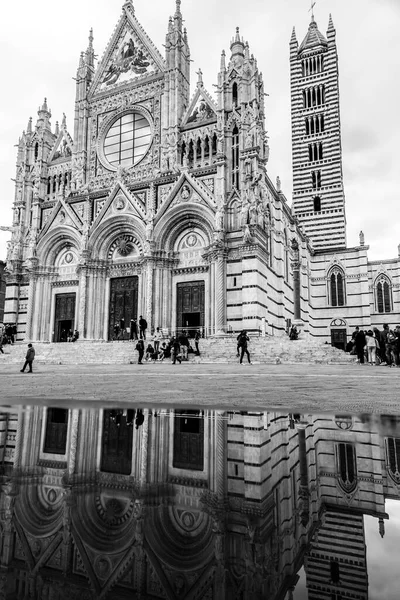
[{"x": 159, "y": 203}]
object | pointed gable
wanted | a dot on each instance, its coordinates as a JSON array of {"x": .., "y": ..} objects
[
  {"x": 130, "y": 55},
  {"x": 121, "y": 201},
  {"x": 189, "y": 190},
  {"x": 62, "y": 215},
  {"x": 202, "y": 109},
  {"x": 63, "y": 147}
]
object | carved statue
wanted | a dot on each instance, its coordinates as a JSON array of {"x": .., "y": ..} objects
[
  {"x": 220, "y": 142},
  {"x": 244, "y": 213},
  {"x": 149, "y": 225},
  {"x": 253, "y": 213},
  {"x": 219, "y": 219},
  {"x": 278, "y": 184},
  {"x": 121, "y": 172},
  {"x": 362, "y": 238},
  {"x": 249, "y": 141},
  {"x": 261, "y": 215},
  {"x": 246, "y": 234}
]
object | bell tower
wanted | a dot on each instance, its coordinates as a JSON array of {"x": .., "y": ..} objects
[{"x": 318, "y": 194}]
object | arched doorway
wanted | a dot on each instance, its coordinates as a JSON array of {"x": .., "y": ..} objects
[{"x": 339, "y": 334}]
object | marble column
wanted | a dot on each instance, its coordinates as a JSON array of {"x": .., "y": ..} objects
[
  {"x": 31, "y": 304},
  {"x": 220, "y": 292},
  {"x": 149, "y": 296},
  {"x": 73, "y": 442},
  {"x": 82, "y": 303},
  {"x": 296, "y": 281},
  {"x": 144, "y": 447}
]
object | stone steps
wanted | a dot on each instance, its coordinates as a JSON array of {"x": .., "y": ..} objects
[{"x": 216, "y": 350}]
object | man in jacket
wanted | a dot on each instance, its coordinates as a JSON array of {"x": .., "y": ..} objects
[
  {"x": 142, "y": 327},
  {"x": 29, "y": 358},
  {"x": 360, "y": 342}
]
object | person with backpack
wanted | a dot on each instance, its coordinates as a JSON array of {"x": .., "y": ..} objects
[
  {"x": 243, "y": 340},
  {"x": 392, "y": 357},
  {"x": 142, "y": 328}
]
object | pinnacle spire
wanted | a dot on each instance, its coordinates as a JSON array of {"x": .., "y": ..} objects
[
  {"x": 223, "y": 65},
  {"x": 64, "y": 122},
  {"x": 57, "y": 129},
  {"x": 200, "y": 83},
  {"x": 293, "y": 38},
  {"x": 29, "y": 128}
]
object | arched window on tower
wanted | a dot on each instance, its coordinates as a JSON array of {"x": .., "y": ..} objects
[
  {"x": 206, "y": 143},
  {"x": 317, "y": 204},
  {"x": 235, "y": 158},
  {"x": 336, "y": 285},
  {"x": 214, "y": 144},
  {"x": 347, "y": 469},
  {"x": 235, "y": 94},
  {"x": 393, "y": 458},
  {"x": 198, "y": 151},
  {"x": 383, "y": 294},
  {"x": 36, "y": 151}
]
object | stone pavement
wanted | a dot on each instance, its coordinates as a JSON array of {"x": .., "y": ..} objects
[{"x": 294, "y": 388}]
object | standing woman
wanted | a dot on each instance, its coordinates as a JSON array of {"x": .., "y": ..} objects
[
  {"x": 371, "y": 342},
  {"x": 140, "y": 349}
]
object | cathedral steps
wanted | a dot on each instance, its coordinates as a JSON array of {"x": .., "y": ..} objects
[{"x": 272, "y": 350}]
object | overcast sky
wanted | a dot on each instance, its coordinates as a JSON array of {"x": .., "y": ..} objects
[{"x": 40, "y": 46}]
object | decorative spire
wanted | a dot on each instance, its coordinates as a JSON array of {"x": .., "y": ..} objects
[
  {"x": 178, "y": 8},
  {"x": 29, "y": 128},
  {"x": 223, "y": 64},
  {"x": 313, "y": 3},
  {"x": 331, "y": 28},
  {"x": 293, "y": 39},
  {"x": 237, "y": 44},
  {"x": 44, "y": 106},
  {"x": 381, "y": 527},
  {"x": 200, "y": 83},
  {"x": 64, "y": 122},
  {"x": 237, "y": 37},
  {"x": 57, "y": 129}
]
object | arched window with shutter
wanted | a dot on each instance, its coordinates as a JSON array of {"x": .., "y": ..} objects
[
  {"x": 383, "y": 294},
  {"x": 336, "y": 287},
  {"x": 347, "y": 466},
  {"x": 393, "y": 458}
]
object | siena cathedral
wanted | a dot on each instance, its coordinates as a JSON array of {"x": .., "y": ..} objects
[{"x": 159, "y": 202}]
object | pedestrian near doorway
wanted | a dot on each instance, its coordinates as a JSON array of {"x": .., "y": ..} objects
[
  {"x": 140, "y": 349},
  {"x": 359, "y": 340},
  {"x": 134, "y": 329},
  {"x": 29, "y": 358},
  {"x": 176, "y": 351},
  {"x": 371, "y": 343},
  {"x": 142, "y": 328},
  {"x": 197, "y": 337},
  {"x": 243, "y": 341}
]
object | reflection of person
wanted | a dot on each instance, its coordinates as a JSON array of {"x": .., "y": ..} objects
[{"x": 29, "y": 358}]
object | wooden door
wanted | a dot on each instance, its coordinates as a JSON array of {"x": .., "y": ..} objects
[
  {"x": 65, "y": 312},
  {"x": 339, "y": 338},
  {"x": 190, "y": 304},
  {"x": 116, "y": 456},
  {"x": 123, "y": 302}
]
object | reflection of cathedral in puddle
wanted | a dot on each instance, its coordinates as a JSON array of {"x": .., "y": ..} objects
[{"x": 190, "y": 504}]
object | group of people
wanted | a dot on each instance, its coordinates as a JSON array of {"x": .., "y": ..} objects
[
  {"x": 376, "y": 347},
  {"x": 137, "y": 329},
  {"x": 8, "y": 334},
  {"x": 177, "y": 347}
]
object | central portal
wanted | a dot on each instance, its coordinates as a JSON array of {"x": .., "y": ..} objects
[
  {"x": 190, "y": 306},
  {"x": 123, "y": 306},
  {"x": 65, "y": 317}
]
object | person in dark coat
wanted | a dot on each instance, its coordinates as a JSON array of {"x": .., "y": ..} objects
[
  {"x": 360, "y": 341},
  {"x": 243, "y": 345},
  {"x": 142, "y": 327},
  {"x": 134, "y": 330},
  {"x": 175, "y": 351},
  {"x": 140, "y": 349},
  {"x": 29, "y": 358}
]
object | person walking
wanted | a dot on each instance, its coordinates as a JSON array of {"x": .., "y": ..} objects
[
  {"x": 197, "y": 337},
  {"x": 142, "y": 328},
  {"x": 140, "y": 349},
  {"x": 243, "y": 345},
  {"x": 29, "y": 358},
  {"x": 175, "y": 351}
]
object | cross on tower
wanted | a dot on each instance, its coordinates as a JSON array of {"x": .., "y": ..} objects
[{"x": 313, "y": 3}]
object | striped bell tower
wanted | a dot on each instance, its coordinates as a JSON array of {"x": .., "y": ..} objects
[{"x": 318, "y": 194}]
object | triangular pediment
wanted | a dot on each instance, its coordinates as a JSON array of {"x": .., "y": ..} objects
[
  {"x": 187, "y": 190},
  {"x": 63, "y": 147},
  {"x": 62, "y": 216},
  {"x": 122, "y": 202},
  {"x": 202, "y": 108},
  {"x": 130, "y": 55}
]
